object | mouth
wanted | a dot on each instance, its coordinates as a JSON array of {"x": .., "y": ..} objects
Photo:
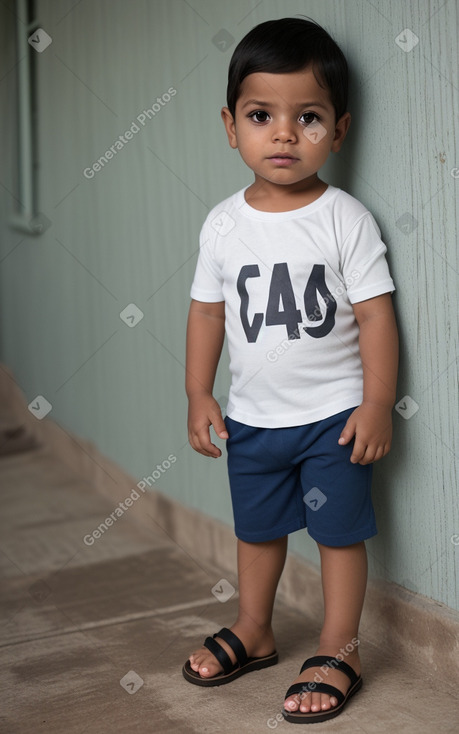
[{"x": 283, "y": 159}]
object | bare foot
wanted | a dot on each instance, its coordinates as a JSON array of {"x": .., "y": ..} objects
[
  {"x": 258, "y": 642},
  {"x": 313, "y": 701}
]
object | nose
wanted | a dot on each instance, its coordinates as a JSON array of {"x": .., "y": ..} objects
[{"x": 284, "y": 131}]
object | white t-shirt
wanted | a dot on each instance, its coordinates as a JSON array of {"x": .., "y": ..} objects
[{"x": 289, "y": 280}]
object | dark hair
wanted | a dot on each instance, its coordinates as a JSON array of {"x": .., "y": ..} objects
[{"x": 289, "y": 45}]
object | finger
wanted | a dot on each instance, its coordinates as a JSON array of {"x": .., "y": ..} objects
[
  {"x": 209, "y": 449},
  {"x": 358, "y": 451},
  {"x": 347, "y": 433},
  {"x": 380, "y": 452},
  {"x": 372, "y": 454},
  {"x": 213, "y": 453},
  {"x": 366, "y": 459},
  {"x": 201, "y": 443},
  {"x": 219, "y": 424}
]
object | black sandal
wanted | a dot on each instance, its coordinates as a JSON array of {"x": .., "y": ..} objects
[
  {"x": 300, "y": 717},
  {"x": 231, "y": 671}
]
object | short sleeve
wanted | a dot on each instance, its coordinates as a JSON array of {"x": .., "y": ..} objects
[
  {"x": 363, "y": 262},
  {"x": 208, "y": 281}
]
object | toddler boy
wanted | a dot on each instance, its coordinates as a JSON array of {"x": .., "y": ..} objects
[{"x": 294, "y": 271}]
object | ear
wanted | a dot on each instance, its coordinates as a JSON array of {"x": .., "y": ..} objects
[
  {"x": 342, "y": 126},
  {"x": 230, "y": 126}
]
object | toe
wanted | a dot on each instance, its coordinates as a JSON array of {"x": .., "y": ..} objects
[
  {"x": 207, "y": 666},
  {"x": 199, "y": 662},
  {"x": 292, "y": 703},
  {"x": 195, "y": 659},
  {"x": 316, "y": 700},
  {"x": 327, "y": 702},
  {"x": 306, "y": 701}
]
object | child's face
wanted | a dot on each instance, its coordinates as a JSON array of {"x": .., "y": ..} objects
[{"x": 284, "y": 115}]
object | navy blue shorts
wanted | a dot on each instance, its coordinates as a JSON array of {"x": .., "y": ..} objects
[{"x": 285, "y": 479}]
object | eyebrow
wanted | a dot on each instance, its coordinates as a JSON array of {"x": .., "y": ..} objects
[{"x": 260, "y": 103}]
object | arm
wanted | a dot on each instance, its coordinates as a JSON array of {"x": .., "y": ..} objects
[
  {"x": 205, "y": 335},
  {"x": 371, "y": 422}
]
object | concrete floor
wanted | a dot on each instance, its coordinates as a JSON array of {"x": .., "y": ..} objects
[{"x": 77, "y": 620}]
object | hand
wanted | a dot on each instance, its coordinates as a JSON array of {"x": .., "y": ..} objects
[
  {"x": 203, "y": 412},
  {"x": 371, "y": 424}
]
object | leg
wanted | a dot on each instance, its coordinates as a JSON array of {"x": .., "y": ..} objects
[
  {"x": 259, "y": 569},
  {"x": 344, "y": 577}
]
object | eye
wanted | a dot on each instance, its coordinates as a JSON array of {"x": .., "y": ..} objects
[
  {"x": 309, "y": 117},
  {"x": 259, "y": 116}
]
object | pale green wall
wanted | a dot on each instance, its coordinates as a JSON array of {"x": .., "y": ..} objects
[{"x": 131, "y": 235}]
